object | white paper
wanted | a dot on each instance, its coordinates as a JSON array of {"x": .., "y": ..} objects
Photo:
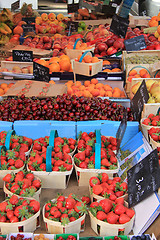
[{"x": 145, "y": 213}]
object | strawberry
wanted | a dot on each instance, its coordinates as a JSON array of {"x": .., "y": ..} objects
[
  {"x": 123, "y": 218},
  {"x": 101, "y": 215},
  {"x": 119, "y": 201},
  {"x": 106, "y": 204},
  {"x": 70, "y": 203},
  {"x": 86, "y": 199},
  {"x": 35, "y": 205},
  {"x": 52, "y": 209},
  {"x": 112, "y": 218},
  {"x": 57, "y": 214},
  {"x": 97, "y": 189},
  {"x": 13, "y": 200},
  {"x": 8, "y": 177},
  {"x": 3, "y": 206},
  {"x": 130, "y": 212},
  {"x": 103, "y": 177},
  {"x": 94, "y": 181},
  {"x": 119, "y": 209}
]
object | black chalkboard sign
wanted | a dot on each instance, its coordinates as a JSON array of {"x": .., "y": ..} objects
[
  {"x": 41, "y": 73},
  {"x": 121, "y": 130},
  {"x": 143, "y": 179},
  {"x": 73, "y": 7},
  {"x": 119, "y": 25},
  {"x": 28, "y": 28},
  {"x": 138, "y": 101},
  {"x": 29, "y": 20},
  {"x": 72, "y": 27},
  {"x": 22, "y": 56},
  {"x": 15, "y": 5},
  {"x": 135, "y": 44}
]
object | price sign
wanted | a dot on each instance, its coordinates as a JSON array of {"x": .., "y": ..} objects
[
  {"x": 135, "y": 44},
  {"x": 143, "y": 178},
  {"x": 29, "y": 20},
  {"x": 72, "y": 27},
  {"x": 121, "y": 130},
  {"x": 73, "y": 7},
  {"x": 22, "y": 56},
  {"x": 27, "y": 28},
  {"x": 138, "y": 101},
  {"x": 119, "y": 25},
  {"x": 15, "y": 6},
  {"x": 41, "y": 73}
]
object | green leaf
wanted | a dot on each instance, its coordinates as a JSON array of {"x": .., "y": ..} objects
[
  {"x": 65, "y": 221},
  {"x": 93, "y": 211}
]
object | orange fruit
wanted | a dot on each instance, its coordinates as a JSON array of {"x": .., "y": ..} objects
[
  {"x": 107, "y": 70},
  {"x": 78, "y": 84},
  {"x": 52, "y": 81},
  {"x": 153, "y": 23},
  {"x": 87, "y": 59},
  {"x": 64, "y": 57},
  {"x": 116, "y": 93},
  {"x": 95, "y": 59},
  {"x": 86, "y": 93},
  {"x": 108, "y": 94},
  {"x": 86, "y": 83},
  {"x": 82, "y": 88},
  {"x": 69, "y": 90},
  {"x": 107, "y": 87},
  {"x": 94, "y": 81},
  {"x": 69, "y": 83},
  {"x": 116, "y": 70},
  {"x": 1, "y": 91},
  {"x": 142, "y": 72},
  {"x": 53, "y": 59},
  {"x": 95, "y": 92},
  {"x": 42, "y": 62},
  {"x": 102, "y": 92},
  {"x": 132, "y": 72},
  {"x": 158, "y": 29},
  {"x": 106, "y": 62},
  {"x": 10, "y": 85},
  {"x": 129, "y": 79},
  {"x": 4, "y": 85},
  {"x": 54, "y": 67},
  {"x": 65, "y": 65},
  {"x": 99, "y": 85},
  {"x": 137, "y": 76}
]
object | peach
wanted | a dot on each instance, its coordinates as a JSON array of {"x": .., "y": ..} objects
[
  {"x": 52, "y": 17},
  {"x": 16, "y": 69},
  {"x": 25, "y": 70},
  {"x": 44, "y": 17}
]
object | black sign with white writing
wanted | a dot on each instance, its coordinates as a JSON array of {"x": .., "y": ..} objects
[
  {"x": 135, "y": 44},
  {"x": 29, "y": 20},
  {"x": 28, "y": 28},
  {"x": 119, "y": 25},
  {"x": 72, "y": 27},
  {"x": 143, "y": 179},
  {"x": 121, "y": 130},
  {"x": 15, "y": 5},
  {"x": 138, "y": 101},
  {"x": 22, "y": 56},
  {"x": 41, "y": 73}
]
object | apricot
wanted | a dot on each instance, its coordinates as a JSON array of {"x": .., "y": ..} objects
[
  {"x": 132, "y": 72},
  {"x": 94, "y": 81},
  {"x": 44, "y": 17}
]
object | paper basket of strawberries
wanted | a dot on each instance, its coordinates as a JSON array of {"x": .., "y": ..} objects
[
  {"x": 10, "y": 161},
  {"x": 147, "y": 123},
  {"x": 65, "y": 215},
  {"x": 87, "y": 65},
  {"x": 19, "y": 215},
  {"x": 109, "y": 218},
  {"x": 22, "y": 184},
  {"x": 102, "y": 186},
  {"x": 154, "y": 137},
  {"x": 89, "y": 153},
  {"x": 53, "y": 164}
]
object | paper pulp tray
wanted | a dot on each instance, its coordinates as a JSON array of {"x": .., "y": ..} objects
[
  {"x": 65, "y": 236},
  {"x": 28, "y": 225},
  {"x": 53, "y": 180},
  {"x": 145, "y": 129},
  {"x": 3, "y": 173},
  {"x": 26, "y": 235},
  {"x": 36, "y": 196},
  {"x": 83, "y": 175},
  {"x": 58, "y": 228}
]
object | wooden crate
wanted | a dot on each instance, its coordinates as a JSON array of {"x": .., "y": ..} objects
[{"x": 150, "y": 108}]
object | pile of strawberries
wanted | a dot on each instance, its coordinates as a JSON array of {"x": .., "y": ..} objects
[
  {"x": 65, "y": 209},
  {"x": 85, "y": 158},
  {"x": 22, "y": 183},
  {"x": 152, "y": 120},
  {"x": 155, "y": 134},
  {"x": 14, "y": 158},
  {"x": 112, "y": 212},
  {"x": 108, "y": 188},
  {"x": 16, "y": 209},
  {"x": 61, "y": 159}
]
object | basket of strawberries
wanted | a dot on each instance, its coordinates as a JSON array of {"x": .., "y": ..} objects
[
  {"x": 19, "y": 215},
  {"x": 102, "y": 186},
  {"x": 109, "y": 218},
  {"x": 154, "y": 137},
  {"x": 65, "y": 215},
  {"x": 89, "y": 154},
  {"x": 51, "y": 160},
  {"x": 22, "y": 184}
]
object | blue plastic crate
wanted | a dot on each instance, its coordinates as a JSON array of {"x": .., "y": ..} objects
[
  {"x": 36, "y": 128},
  {"x": 88, "y": 126},
  {"x": 5, "y": 126}
]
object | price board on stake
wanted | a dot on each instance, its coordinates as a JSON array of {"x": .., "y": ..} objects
[
  {"x": 29, "y": 20},
  {"x": 143, "y": 179},
  {"x": 15, "y": 5},
  {"x": 41, "y": 73},
  {"x": 121, "y": 130},
  {"x": 138, "y": 101},
  {"x": 119, "y": 25},
  {"x": 22, "y": 56},
  {"x": 72, "y": 27},
  {"x": 135, "y": 44},
  {"x": 27, "y": 28}
]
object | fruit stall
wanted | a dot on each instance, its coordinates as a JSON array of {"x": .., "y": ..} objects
[{"x": 79, "y": 124}]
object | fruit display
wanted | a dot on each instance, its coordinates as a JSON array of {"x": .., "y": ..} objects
[
  {"x": 111, "y": 212},
  {"x": 139, "y": 59},
  {"x": 65, "y": 210},
  {"x": 141, "y": 73},
  {"x": 22, "y": 183},
  {"x": 154, "y": 133},
  {"x": 154, "y": 21},
  {"x": 6, "y": 25},
  {"x": 16, "y": 209},
  {"x": 85, "y": 158},
  {"x": 103, "y": 187},
  {"x": 61, "y": 160},
  {"x": 63, "y": 107},
  {"x": 109, "y": 66},
  {"x": 17, "y": 69},
  {"x": 152, "y": 120},
  {"x": 20, "y": 237},
  {"x": 4, "y": 87},
  {"x": 93, "y": 88},
  {"x": 83, "y": 13},
  {"x": 40, "y": 237},
  {"x": 153, "y": 87}
]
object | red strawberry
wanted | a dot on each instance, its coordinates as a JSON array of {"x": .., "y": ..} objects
[
  {"x": 130, "y": 212},
  {"x": 97, "y": 189},
  {"x": 119, "y": 209},
  {"x": 112, "y": 218},
  {"x": 7, "y": 178},
  {"x": 123, "y": 218},
  {"x": 70, "y": 203},
  {"x": 106, "y": 204},
  {"x": 101, "y": 215},
  {"x": 119, "y": 201},
  {"x": 94, "y": 181}
]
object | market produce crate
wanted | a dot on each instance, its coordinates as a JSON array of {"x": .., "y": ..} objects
[
  {"x": 26, "y": 235},
  {"x": 150, "y": 108},
  {"x": 65, "y": 236},
  {"x": 37, "y": 128},
  {"x": 41, "y": 235}
]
